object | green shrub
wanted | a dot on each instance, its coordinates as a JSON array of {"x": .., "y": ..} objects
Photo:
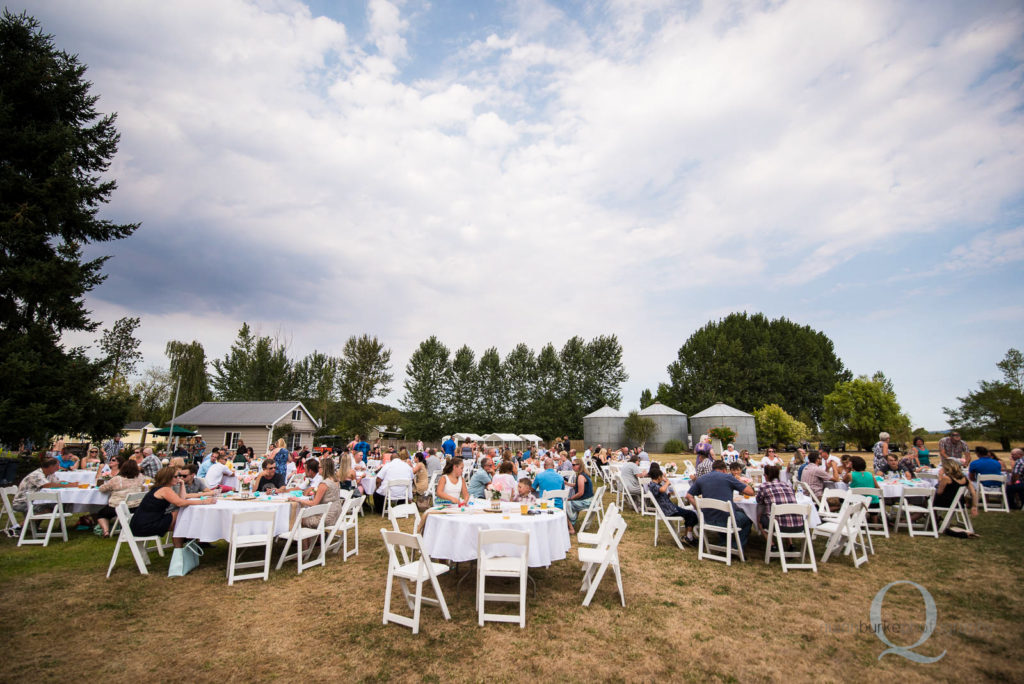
[{"x": 674, "y": 446}]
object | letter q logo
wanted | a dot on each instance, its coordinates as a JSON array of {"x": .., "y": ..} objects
[{"x": 929, "y": 627}]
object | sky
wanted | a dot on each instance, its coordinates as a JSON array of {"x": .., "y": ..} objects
[{"x": 504, "y": 172}]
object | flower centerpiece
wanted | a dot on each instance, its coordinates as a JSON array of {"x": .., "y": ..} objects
[
  {"x": 495, "y": 496},
  {"x": 671, "y": 468}
]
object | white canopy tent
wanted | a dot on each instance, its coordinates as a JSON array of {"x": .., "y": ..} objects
[
  {"x": 463, "y": 436},
  {"x": 503, "y": 438},
  {"x": 533, "y": 439}
]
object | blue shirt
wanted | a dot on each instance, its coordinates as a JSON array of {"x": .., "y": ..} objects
[
  {"x": 448, "y": 447},
  {"x": 716, "y": 485},
  {"x": 986, "y": 466},
  {"x": 65, "y": 465},
  {"x": 477, "y": 484},
  {"x": 364, "y": 447},
  {"x": 205, "y": 465},
  {"x": 548, "y": 480}
]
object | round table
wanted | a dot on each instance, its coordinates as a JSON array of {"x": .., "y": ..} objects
[
  {"x": 77, "y": 476},
  {"x": 78, "y": 500},
  {"x": 891, "y": 489},
  {"x": 453, "y": 536},
  {"x": 212, "y": 522},
  {"x": 749, "y": 506}
]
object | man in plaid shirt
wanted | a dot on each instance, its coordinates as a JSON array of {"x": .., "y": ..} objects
[
  {"x": 1015, "y": 489},
  {"x": 704, "y": 467},
  {"x": 774, "y": 491}
]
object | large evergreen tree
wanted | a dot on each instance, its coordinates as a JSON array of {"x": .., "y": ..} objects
[
  {"x": 462, "y": 391},
  {"x": 520, "y": 371},
  {"x": 256, "y": 368},
  {"x": 748, "y": 361},
  {"x": 54, "y": 151},
  {"x": 364, "y": 374},
  {"x": 426, "y": 376},
  {"x": 493, "y": 403}
]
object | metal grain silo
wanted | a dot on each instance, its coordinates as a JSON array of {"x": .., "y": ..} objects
[
  {"x": 724, "y": 415},
  {"x": 604, "y": 426},
  {"x": 671, "y": 425}
]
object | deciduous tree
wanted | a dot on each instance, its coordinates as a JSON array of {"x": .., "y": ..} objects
[{"x": 996, "y": 409}]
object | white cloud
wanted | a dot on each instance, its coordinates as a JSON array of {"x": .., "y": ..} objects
[
  {"x": 988, "y": 249},
  {"x": 554, "y": 173}
]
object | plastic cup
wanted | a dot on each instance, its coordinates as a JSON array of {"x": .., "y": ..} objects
[
  {"x": 524, "y": 509},
  {"x": 544, "y": 505}
]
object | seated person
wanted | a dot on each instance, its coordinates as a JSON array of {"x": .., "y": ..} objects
[
  {"x": 67, "y": 459},
  {"x": 774, "y": 491},
  {"x": 894, "y": 467},
  {"x": 630, "y": 473},
  {"x": 718, "y": 484},
  {"x": 660, "y": 487},
  {"x": 505, "y": 480},
  {"x": 736, "y": 470},
  {"x": 771, "y": 458},
  {"x": 91, "y": 459},
  {"x": 313, "y": 475},
  {"x": 128, "y": 481},
  {"x": 269, "y": 480},
  {"x": 524, "y": 492},
  {"x": 215, "y": 475},
  {"x": 816, "y": 476},
  {"x": 985, "y": 464},
  {"x": 193, "y": 483},
  {"x": 43, "y": 476}
]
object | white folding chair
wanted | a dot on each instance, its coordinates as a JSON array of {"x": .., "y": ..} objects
[
  {"x": 985, "y": 493},
  {"x": 660, "y": 517},
  {"x": 404, "y": 486},
  {"x": 501, "y": 565},
  {"x": 594, "y": 538},
  {"x": 594, "y": 509},
  {"x": 7, "y": 495},
  {"x": 644, "y": 510},
  {"x": 137, "y": 545},
  {"x": 553, "y": 494},
  {"x": 729, "y": 529},
  {"x": 881, "y": 527},
  {"x": 927, "y": 476},
  {"x": 956, "y": 510},
  {"x": 132, "y": 500},
  {"x": 806, "y": 489},
  {"x": 689, "y": 470},
  {"x": 756, "y": 475},
  {"x": 778, "y": 538},
  {"x": 432, "y": 484},
  {"x": 249, "y": 539},
  {"x": 846, "y": 532},
  {"x": 298, "y": 534},
  {"x": 597, "y": 559},
  {"x": 347, "y": 520},
  {"x": 907, "y": 509},
  {"x": 37, "y": 501},
  {"x": 624, "y": 496},
  {"x": 828, "y": 495},
  {"x": 419, "y": 571}
]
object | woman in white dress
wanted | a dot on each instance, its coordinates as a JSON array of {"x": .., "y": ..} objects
[{"x": 451, "y": 487}]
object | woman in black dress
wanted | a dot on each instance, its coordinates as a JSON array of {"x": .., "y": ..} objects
[{"x": 151, "y": 518}]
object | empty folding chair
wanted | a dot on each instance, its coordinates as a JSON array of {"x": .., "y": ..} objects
[
  {"x": 880, "y": 527},
  {"x": 597, "y": 559},
  {"x": 137, "y": 545},
  {"x": 7, "y": 510},
  {"x": 501, "y": 564},
  {"x": 596, "y": 502},
  {"x": 828, "y": 495},
  {"x": 993, "y": 499},
  {"x": 594, "y": 538},
  {"x": 395, "y": 491},
  {"x": 846, "y": 533},
  {"x": 917, "y": 501},
  {"x": 347, "y": 520},
  {"x": 775, "y": 545},
  {"x": 419, "y": 571},
  {"x": 43, "y": 506},
  {"x": 298, "y": 534},
  {"x": 253, "y": 529},
  {"x": 729, "y": 529},
  {"x": 661, "y": 519}
]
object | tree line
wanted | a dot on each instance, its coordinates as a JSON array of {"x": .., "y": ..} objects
[{"x": 545, "y": 393}]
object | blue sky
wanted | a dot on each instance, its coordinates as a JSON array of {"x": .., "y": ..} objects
[{"x": 525, "y": 171}]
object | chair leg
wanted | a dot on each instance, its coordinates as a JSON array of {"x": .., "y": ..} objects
[
  {"x": 387, "y": 595},
  {"x": 618, "y": 581},
  {"x": 594, "y": 584},
  {"x": 113, "y": 559},
  {"x": 284, "y": 553},
  {"x": 416, "y": 608}
]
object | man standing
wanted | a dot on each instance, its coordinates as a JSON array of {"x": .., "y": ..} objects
[
  {"x": 482, "y": 477},
  {"x": 113, "y": 447},
  {"x": 720, "y": 485},
  {"x": 951, "y": 446},
  {"x": 448, "y": 447},
  {"x": 150, "y": 463},
  {"x": 362, "y": 446}
]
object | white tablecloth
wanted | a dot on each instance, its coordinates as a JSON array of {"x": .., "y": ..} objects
[
  {"x": 891, "y": 489},
  {"x": 453, "y": 536},
  {"x": 369, "y": 484},
  {"x": 212, "y": 522},
  {"x": 749, "y": 506},
  {"x": 229, "y": 481},
  {"x": 77, "y": 476},
  {"x": 81, "y": 500}
]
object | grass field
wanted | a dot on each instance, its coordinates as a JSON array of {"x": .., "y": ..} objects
[{"x": 684, "y": 620}]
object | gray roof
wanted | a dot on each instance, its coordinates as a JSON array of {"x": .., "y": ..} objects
[
  {"x": 137, "y": 425},
  {"x": 659, "y": 409},
  {"x": 606, "y": 412},
  {"x": 240, "y": 413},
  {"x": 720, "y": 410}
]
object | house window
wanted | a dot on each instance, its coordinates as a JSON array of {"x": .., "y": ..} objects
[
  {"x": 296, "y": 414},
  {"x": 294, "y": 441},
  {"x": 231, "y": 439}
]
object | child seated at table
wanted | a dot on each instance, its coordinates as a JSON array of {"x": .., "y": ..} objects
[
  {"x": 524, "y": 492},
  {"x": 736, "y": 470}
]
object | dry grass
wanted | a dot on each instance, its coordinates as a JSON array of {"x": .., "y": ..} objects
[{"x": 684, "y": 620}]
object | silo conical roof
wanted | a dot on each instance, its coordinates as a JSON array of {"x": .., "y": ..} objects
[
  {"x": 721, "y": 410},
  {"x": 606, "y": 412},
  {"x": 659, "y": 409}
]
